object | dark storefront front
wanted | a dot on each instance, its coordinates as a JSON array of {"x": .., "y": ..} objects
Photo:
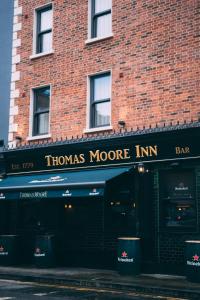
[{"x": 88, "y": 192}]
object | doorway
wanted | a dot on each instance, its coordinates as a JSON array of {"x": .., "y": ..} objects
[{"x": 81, "y": 232}]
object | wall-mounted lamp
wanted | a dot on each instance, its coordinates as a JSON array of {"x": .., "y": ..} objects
[
  {"x": 121, "y": 123},
  {"x": 68, "y": 206},
  {"x": 141, "y": 168}
]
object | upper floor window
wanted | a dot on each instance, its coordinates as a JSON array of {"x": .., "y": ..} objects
[
  {"x": 100, "y": 96},
  {"x": 101, "y": 20},
  {"x": 41, "y": 101},
  {"x": 44, "y": 30}
]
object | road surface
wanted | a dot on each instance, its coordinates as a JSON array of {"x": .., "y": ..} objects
[{"x": 17, "y": 290}]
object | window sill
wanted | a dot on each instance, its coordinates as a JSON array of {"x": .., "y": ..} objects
[
  {"x": 34, "y": 56},
  {"x": 98, "y": 39},
  {"x": 38, "y": 137},
  {"x": 97, "y": 129}
]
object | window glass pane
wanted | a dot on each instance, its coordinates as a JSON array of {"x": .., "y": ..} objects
[
  {"x": 42, "y": 99},
  {"x": 179, "y": 204},
  {"x": 43, "y": 123},
  {"x": 46, "y": 20},
  {"x": 102, "y": 114},
  {"x": 46, "y": 42},
  {"x": 104, "y": 26},
  {"x": 102, "y": 5},
  {"x": 102, "y": 87}
]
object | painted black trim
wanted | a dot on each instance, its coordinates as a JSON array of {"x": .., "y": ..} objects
[
  {"x": 36, "y": 114},
  {"x": 94, "y": 18},
  {"x": 93, "y": 102},
  {"x": 39, "y": 33}
]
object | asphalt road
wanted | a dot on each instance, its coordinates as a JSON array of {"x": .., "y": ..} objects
[{"x": 16, "y": 290}]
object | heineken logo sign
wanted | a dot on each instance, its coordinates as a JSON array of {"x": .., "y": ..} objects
[
  {"x": 2, "y": 196},
  {"x": 3, "y": 252},
  {"x": 39, "y": 253},
  {"x": 67, "y": 193},
  {"x": 94, "y": 192},
  {"x": 195, "y": 261},
  {"x": 124, "y": 258}
]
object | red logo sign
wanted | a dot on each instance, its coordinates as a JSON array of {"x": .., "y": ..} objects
[
  {"x": 37, "y": 250},
  {"x": 124, "y": 254},
  {"x": 195, "y": 257}
]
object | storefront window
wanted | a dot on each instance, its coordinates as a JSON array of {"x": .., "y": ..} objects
[{"x": 178, "y": 199}]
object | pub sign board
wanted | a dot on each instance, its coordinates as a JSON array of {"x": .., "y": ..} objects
[{"x": 97, "y": 154}]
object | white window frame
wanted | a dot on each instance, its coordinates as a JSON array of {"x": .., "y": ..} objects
[
  {"x": 90, "y": 39},
  {"x": 32, "y": 98},
  {"x": 88, "y": 106},
  {"x": 35, "y": 22}
]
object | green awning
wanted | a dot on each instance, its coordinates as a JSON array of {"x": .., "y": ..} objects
[{"x": 80, "y": 183}]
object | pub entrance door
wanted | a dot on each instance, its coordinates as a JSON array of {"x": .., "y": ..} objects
[
  {"x": 81, "y": 232},
  {"x": 120, "y": 215}
]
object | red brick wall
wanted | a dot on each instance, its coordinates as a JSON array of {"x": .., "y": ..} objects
[{"x": 153, "y": 56}]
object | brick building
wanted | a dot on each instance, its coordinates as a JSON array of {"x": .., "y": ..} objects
[
  {"x": 105, "y": 93},
  {"x": 150, "y": 51}
]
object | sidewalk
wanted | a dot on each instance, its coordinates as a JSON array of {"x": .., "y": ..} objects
[{"x": 169, "y": 285}]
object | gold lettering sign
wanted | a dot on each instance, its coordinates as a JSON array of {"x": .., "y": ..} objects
[
  {"x": 146, "y": 151},
  {"x": 99, "y": 156},
  {"x": 133, "y": 153},
  {"x": 71, "y": 159},
  {"x": 24, "y": 166},
  {"x": 182, "y": 150},
  {"x": 95, "y": 156}
]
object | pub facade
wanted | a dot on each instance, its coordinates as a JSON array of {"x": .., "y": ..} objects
[
  {"x": 87, "y": 193},
  {"x": 103, "y": 137}
]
